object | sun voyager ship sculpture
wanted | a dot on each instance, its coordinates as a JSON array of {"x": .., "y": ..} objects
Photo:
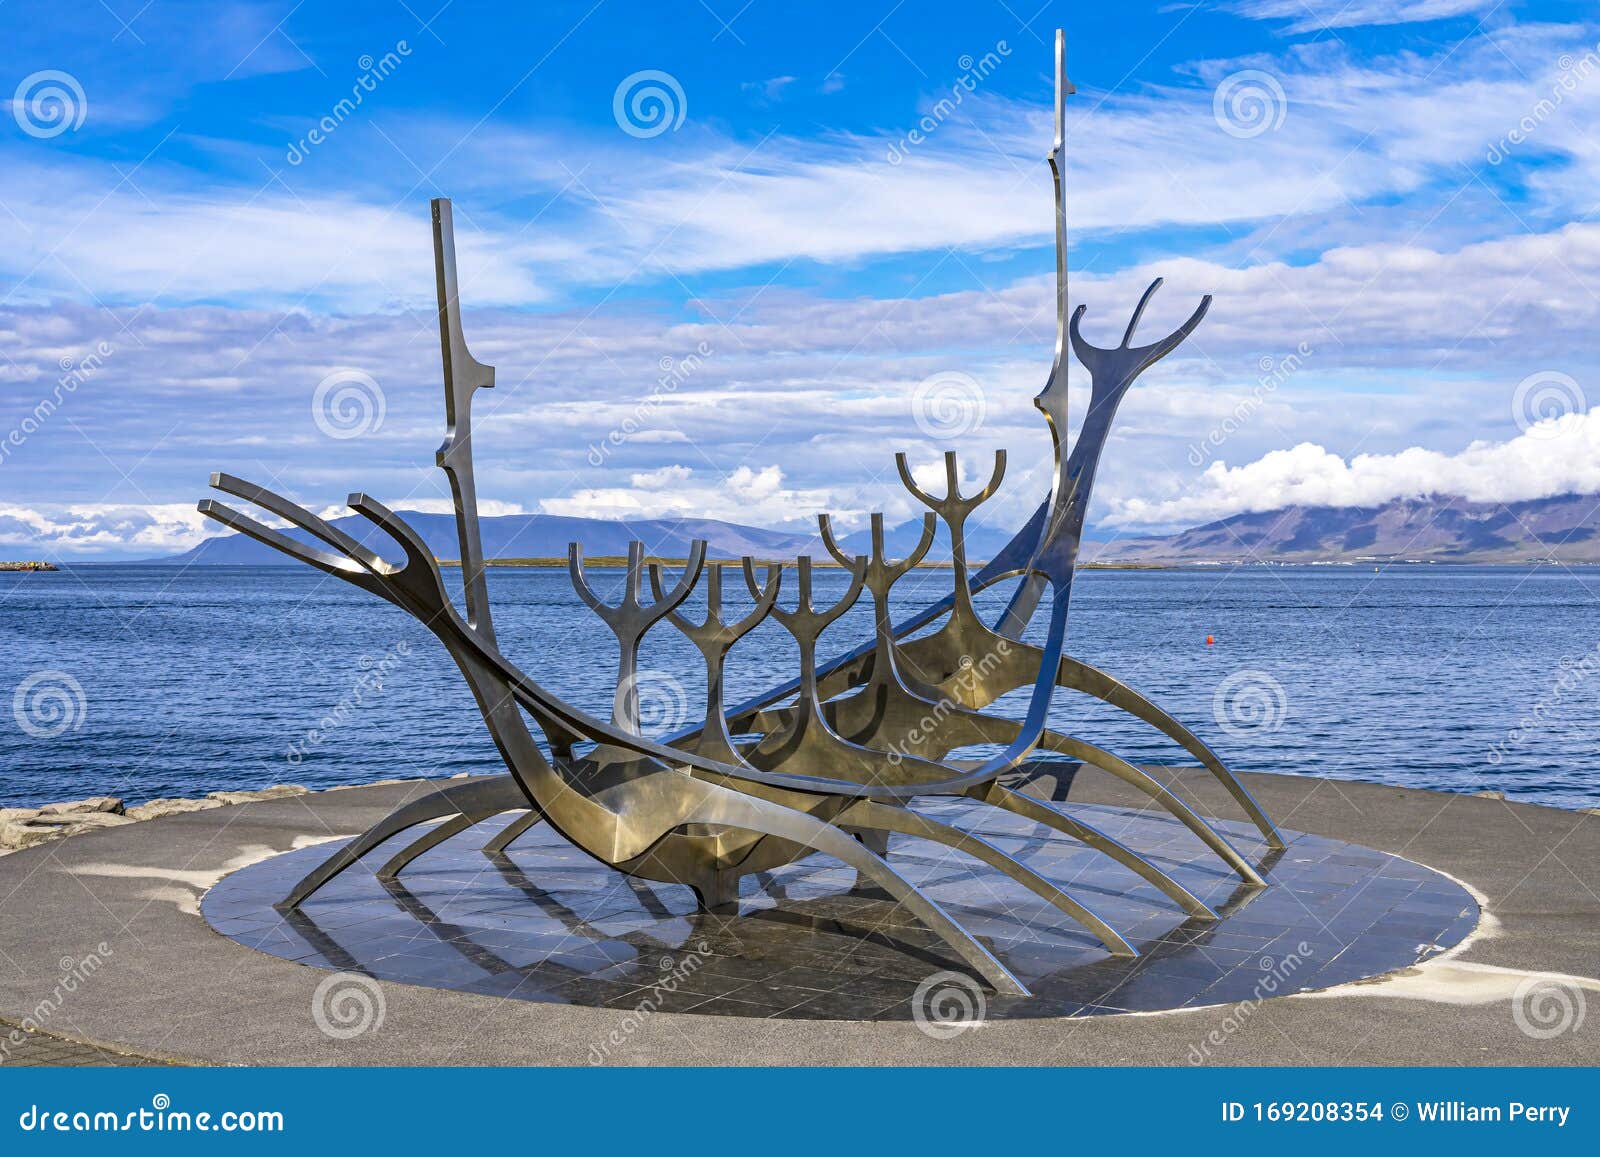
[{"x": 829, "y": 762}]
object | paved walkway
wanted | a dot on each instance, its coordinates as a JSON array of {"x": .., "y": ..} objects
[
  {"x": 41, "y": 1050},
  {"x": 166, "y": 985}
]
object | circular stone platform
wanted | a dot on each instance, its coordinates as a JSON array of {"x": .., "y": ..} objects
[
  {"x": 547, "y": 923},
  {"x": 169, "y": 986}
]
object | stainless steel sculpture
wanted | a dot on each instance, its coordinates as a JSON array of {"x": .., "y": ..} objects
[{"x": 830, "y": 762}]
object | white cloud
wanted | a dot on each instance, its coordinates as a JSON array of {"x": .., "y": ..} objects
[
  {"x": 1560, "y": 455},
  {"x": 1355, "y": 133},
  {"x": 750, "y": 497},
  {"x": 153, "y": 530},
  {"x": 1312, "y": 15}
]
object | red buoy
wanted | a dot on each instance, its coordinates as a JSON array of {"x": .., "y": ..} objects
[{"x": 1209, "y": 640}]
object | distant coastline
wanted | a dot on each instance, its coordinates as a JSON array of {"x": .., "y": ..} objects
[
  {"x": 617, "y": 560},
  {"x": 28, "y": 565}
]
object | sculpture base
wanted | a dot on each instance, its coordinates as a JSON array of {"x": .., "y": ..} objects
[{"x": 543, "y": 922}]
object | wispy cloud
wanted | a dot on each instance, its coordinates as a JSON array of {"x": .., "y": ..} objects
[{"x": 1314, "y": 15}]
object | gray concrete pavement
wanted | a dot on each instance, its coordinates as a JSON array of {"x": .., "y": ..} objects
[{"x": 165, "y": 986}]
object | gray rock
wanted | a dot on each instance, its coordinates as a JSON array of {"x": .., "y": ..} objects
[
  {"x": 156, "y": 808},
  {"x": 276, "y": 791},
  {"x": 7, "y": 814},
  {"x": 1490, "y": 794},
  {"x": 99, "y": 803},
  {"x": 25, "y": 833}
]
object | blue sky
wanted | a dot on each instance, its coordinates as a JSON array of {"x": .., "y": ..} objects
[{"x": 1392, "y": 202}]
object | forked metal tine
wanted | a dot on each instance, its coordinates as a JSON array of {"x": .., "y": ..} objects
[
  {"x": 580, "y": 583},
  {"x": 1116, "y": 367},
  {"x": 825, "y": 525},
  {"x": 417, "y": 554},
  {"x": 1138, "y": 312},
  {"x": 954, "y": 506},
  {"x": 692, "y": 567},
  {"x": 288, "y": 511},
  {"x": 930, "y": 528},
  {"x": 996, "y": 476},
  {"x": 327, "y": 563}
]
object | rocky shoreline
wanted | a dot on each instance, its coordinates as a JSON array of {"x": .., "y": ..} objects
[{"x": 26, "y": 827}]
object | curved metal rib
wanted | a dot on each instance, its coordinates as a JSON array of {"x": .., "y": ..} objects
[
  {"x": 499, "y": 792},
  {"x": 437, "y": 835},
  {"x": 512, "y": 832},
  {"x": 1136, "y": 777},
  {"x": 881, "y": 817},
  {"x": 738, "y": 810},
  {"x": 1041, "y": 813},
  {"x": 1079, "y": 676}
]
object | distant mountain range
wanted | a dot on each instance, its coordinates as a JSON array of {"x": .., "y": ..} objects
[
  {"x": 547, "y": 536},
  {"x": 1438, "y": 529}
]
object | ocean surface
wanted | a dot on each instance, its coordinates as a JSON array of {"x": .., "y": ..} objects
[{"x": 147, "y": 681}]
